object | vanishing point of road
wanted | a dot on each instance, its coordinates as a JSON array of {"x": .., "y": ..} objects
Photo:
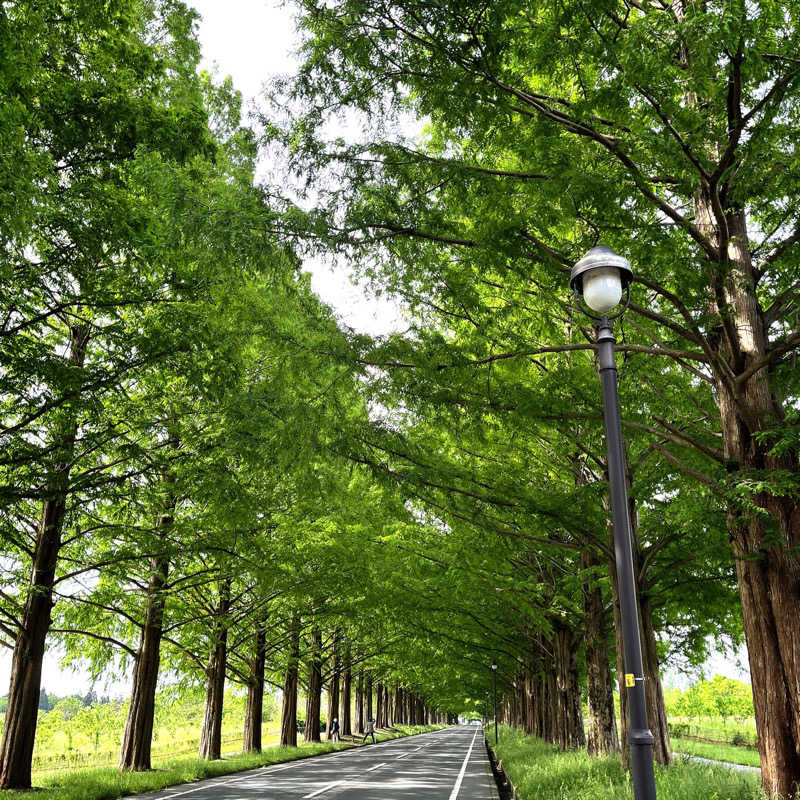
[{"x": 450, "y": 764}]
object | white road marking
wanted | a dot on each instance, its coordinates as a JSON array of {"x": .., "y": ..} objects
[
  {"x": 340, "y": 782},
  {"x": 324, "y": 789},
  {"x": 457, "y": 787},
  {"x": 209, "y": 785}
]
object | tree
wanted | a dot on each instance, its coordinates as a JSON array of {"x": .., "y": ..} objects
[
  {"x": 72, "y": 330},
  {"x": 665, "y": 130}
]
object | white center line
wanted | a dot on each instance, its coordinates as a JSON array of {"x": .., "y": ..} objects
[
  {"x": 339, "y": 783},
  {"x": 210, "y": 785},
  {"x": 324, "y": 789},
  {"x": 457, "y": 787}
]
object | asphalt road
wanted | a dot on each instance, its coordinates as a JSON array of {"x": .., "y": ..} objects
[{"x": 450, "y": 764}]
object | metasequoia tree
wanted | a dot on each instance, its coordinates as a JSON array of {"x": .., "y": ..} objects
[
  {"x": 668, "y": 130},
  {"x": 84, "y": 316}
]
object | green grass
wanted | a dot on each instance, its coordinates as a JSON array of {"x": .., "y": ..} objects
[
  {"x": 732, "y": 731},
  {"x": 540, "y": 772},
  {"x": 720, "y": 752},
  {"x": 107, "y": 783}
]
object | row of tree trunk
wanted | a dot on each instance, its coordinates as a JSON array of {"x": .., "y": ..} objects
[
  {"x": 392, "y": 705},
  {"x": 544, "y": 699},
  {"x": 352, "y": 707}
]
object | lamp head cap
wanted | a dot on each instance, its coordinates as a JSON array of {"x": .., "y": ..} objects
[{"x": 597, "y": 258}]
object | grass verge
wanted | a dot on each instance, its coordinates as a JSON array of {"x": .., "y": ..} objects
[
  {"x": 719, "y": 752},
  {"x": 108, "y": 783},
  {"x": 188, "y": 747},
  {"x": 540, "y": 772}
]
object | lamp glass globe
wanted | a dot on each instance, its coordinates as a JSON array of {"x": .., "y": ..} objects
[{"x": 602, "y": 289}]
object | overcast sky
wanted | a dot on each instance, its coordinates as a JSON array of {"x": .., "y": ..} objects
[{"x": 252, "y": 40}]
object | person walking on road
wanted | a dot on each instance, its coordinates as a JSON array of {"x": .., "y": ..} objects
[
  {"x": 334, "y": 737},
  {"x": 370, "y": 731}
]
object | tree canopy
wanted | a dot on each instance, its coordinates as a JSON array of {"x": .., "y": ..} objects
[{"x": 207, "y": 475}]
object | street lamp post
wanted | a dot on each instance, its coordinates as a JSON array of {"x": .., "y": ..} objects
[
  {"x": 494, "y": 675},
  {"x": 600, "y": 277}
]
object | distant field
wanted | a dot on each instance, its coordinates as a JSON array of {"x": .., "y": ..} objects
[
  {"x": 74, "y": 735},
  {"x": 717, "y": 752},
  {"x": 740, "y": 732},
  {"x": 56, "y": 757}
]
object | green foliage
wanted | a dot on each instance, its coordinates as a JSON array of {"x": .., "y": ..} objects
[
  {"x": 230, "y": 455},
  {"x": 528, "y": 156},
  {"x": 721, "y": 697}
]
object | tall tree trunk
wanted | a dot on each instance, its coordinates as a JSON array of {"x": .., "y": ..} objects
[
  {"x": 369, "y": 699},
  {"x": 765, "y": 543},
  {"x": 137, "y": 737},
  {"x": 358, "y": 722},
  {"x": 569, "y": 718},
  {"x": 19, "y": 731},
  {"x": 211, "y": 731},
  {"x": 397, "y": 704},
  {"x": 379, "y": 705},
  {"x": 333, "y": 687},
  {"x": 530, "y": 710},
  {"x": 551, "y": 708},
  {"x": 389, "y": 708},
  {"x": 314, "y": 696},
  {"x": 255, "y": 691},
  {"x": 602, "y": 736},
  {"x": 345, "y": 719},
  {"x": 767, "y": 595},
  {"x": 289, "y": 710},
  {"x": 654, "y": 691}
]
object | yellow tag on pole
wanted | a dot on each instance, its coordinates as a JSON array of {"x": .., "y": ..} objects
[{"x": 629, "y": 680}]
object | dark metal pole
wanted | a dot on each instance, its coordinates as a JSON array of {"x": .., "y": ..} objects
[{"x": 640, "y": 737}]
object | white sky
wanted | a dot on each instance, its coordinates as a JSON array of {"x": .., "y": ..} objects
[{"x": 253, "y": 40}]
